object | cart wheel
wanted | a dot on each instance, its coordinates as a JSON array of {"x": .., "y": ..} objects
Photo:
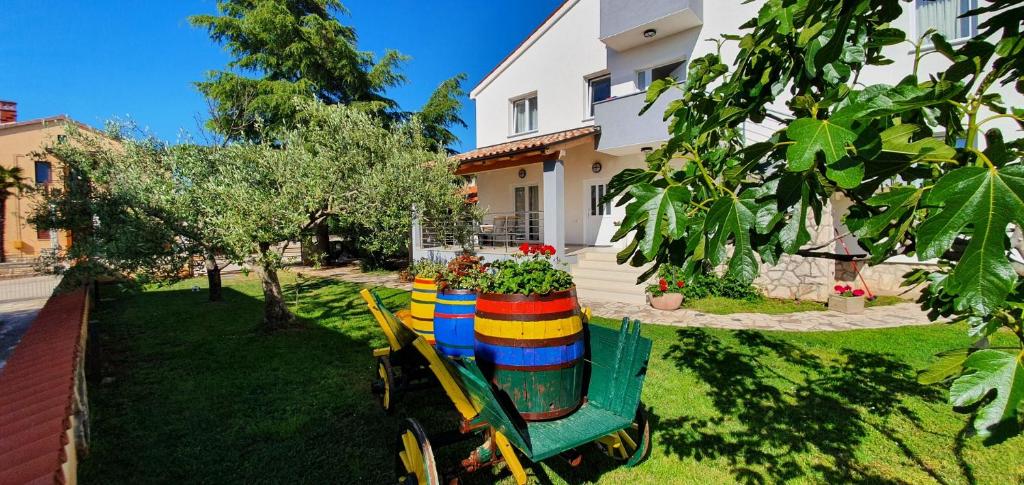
[
  {"x": 632, "y": 444},
  {"x": 385, "y": 387},
  {"x": 415, "y": 464}
]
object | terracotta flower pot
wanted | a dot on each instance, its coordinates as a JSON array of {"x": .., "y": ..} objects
[
  {"x": 853, "y": 305},
  {"x": 667, "y": 301}
]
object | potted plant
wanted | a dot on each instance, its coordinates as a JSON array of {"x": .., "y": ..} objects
[
  {"x": 424, "y": 295},
  {"x": 847, "y": 300},
  {"x": 529, "y": 334},
  {"x": 667, "y": 294},
  {"x": 455, "y": 309}
]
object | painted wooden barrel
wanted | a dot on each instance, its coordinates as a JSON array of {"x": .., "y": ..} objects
[
  {"x": 424, "y": 294},
  {"x": 453, "y": 322},
  {"x": 532, "y": 347}
]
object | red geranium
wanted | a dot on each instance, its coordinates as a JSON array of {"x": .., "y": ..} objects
[
  {"x": 680, "y": 284},
  {"x": 541, "y": 249},
  {"x": 663, "y": 284},
  {"x": 858, "y": 292}
]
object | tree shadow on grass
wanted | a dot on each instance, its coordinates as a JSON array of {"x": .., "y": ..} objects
[
  {"x": 776, "y": 402},
  {"x": 192, "y": 392}
]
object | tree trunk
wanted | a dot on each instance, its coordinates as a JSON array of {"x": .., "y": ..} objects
[
  {"x": 323, "y": 241},
  {"x": 276, "y": 315},
  {"x": 3, "y": 228},
  {"x": 213, "y": 277}
]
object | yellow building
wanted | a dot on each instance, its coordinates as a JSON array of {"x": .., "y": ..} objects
[{"x": 21, "y": 144}]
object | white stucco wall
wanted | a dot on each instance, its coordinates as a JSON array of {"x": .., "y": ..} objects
[{"x": 555, "y": 67}]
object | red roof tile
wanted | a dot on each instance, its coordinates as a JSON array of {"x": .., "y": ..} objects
[
  {"x": 525, "y": 145},
  {"x": 36, "y": 393}
]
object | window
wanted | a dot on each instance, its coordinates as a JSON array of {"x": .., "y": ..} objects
[
  {"x": 943, "y": 16},
  {"x": 43, "y": 173},
  {"x": 524, "y": 115},
  {"x": 597, "y": 208},
  {"x": 645, "y": 77},
  {"x": 600, "y": 89},
  {"x": 43, "y": 234}
]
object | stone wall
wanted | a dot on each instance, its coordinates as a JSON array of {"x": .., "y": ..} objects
[{"x": 800, "y": 278}]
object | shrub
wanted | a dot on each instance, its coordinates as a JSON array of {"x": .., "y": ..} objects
[{"x": 704, "y": 285}]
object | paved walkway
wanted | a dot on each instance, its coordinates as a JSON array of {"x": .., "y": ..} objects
[
  {"x": 20, "y": 301},
  {"x": 902, "y": 314}
]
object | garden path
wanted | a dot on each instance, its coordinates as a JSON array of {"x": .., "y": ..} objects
[{"x": 901, "y": 314}]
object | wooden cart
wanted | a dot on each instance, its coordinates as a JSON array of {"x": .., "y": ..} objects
[{"x": 612, "y": 416}]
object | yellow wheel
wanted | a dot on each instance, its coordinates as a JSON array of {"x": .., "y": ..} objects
[
  {"x": 416, "y": 465},
  {"x": 632, "y": 444},
  {"x": 384, "y": 385}
]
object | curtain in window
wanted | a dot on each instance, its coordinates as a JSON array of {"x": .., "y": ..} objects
[{"x": 941, "y": 15}]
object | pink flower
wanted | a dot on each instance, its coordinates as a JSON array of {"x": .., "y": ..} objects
[
  {"x": 839, "y": 288},
  {"x": 858, "y": 292}
]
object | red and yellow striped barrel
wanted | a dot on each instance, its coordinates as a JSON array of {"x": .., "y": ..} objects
[
  {"x": 424, "y": 294},
  {"x": 532, "y": 347}
]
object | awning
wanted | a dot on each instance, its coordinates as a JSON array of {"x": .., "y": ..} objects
[{"x": 523, "y": 151}]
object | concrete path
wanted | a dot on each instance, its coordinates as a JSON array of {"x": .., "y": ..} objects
[
  {"x": 877, "y": 317},
  {"x": 20, "y": 301}
]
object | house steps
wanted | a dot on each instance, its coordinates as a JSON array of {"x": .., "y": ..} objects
[{"x": 599, "y": 278}]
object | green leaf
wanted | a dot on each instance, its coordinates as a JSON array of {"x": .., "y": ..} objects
[
  {"x": 812, "y": 136},
  {"x": 654, "y": 92},
  {"x": 949, "y": 364},
  {"x": 897, "y": 140},
  {"x": 661, "y": 211},
  {"x": 988, "y": 200},
  {"x": 732, "y": 218},
  {"x": 991, "y": 371}
]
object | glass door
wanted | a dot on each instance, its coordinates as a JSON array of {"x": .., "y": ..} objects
[{"x": 527, "y": 209}]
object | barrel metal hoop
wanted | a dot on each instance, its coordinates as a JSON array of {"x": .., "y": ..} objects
[{"x": 529, "y": 343}]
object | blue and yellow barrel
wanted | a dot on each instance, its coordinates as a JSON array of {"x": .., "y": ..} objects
[
  {"x": 424, "y": 296},
  {"x": 532, "y": 348},
  {"x": 453, "y": 322}
]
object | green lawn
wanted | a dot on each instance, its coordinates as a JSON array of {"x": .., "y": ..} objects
[
  {"x": 718, "y": 305},
  {"x": 194, "y": 393}
]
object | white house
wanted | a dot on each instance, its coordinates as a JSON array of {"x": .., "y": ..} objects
[{"x": 558, "y": 117}]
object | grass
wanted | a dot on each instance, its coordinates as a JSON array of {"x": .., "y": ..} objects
[
  {"x": 772, "y": 306},
  {"x": 192, "y": 392}
]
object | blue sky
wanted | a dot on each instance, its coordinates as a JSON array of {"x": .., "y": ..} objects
[{"x": 137, "y": 59}]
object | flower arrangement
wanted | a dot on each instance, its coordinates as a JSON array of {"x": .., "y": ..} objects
[
  {"x": 465, "y": 272},
  {"x": 530, "y": 272},
  {"x": 670, "y": 280},
  {"x": 847, "y": 291}
]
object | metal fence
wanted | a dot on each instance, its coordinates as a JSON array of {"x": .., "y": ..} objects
[{"x": 494, "y": 230}]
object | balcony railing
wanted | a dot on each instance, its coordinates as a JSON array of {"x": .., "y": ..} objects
[{"x": 494, "y": 230}]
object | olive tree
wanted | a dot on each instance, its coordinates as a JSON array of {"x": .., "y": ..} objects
[
  {"x": 924, "y": 162},
  {"x": 126, "y": 211},
  {"x": 343, "y": 162}
]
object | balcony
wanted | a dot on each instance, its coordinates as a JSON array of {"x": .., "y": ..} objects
[
  {"x": 623, "y": 22},
  {"x": 624, "y": 131}
]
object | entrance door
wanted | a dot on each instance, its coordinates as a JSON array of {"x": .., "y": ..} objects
[
  {"x": 599, "y": 225},
  {"x": 527, "y": 209}
]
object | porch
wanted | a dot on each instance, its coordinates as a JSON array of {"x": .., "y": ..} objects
[{"x": 541, "y": 190}]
